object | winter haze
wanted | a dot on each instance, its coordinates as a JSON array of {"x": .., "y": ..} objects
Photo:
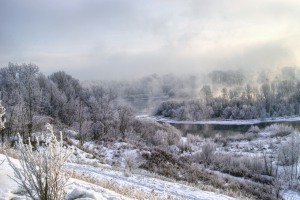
[{"x": 129, "y": 39}]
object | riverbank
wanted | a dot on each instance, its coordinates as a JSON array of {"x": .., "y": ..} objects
[{"x": 220, "y": 121}]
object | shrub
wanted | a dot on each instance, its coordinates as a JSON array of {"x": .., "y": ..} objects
[
  {"x": 289, "y": 151},
  {"x": 253, "y": 129},
  {"x": 132, "y": 160},
  {"x": 183, "y": 145},
  {"x": 279, "y": 129},
  {"x": 193, "y": 138},
  {"x": 206, "y": 155},
  {"x": 43, "y": 174},
  {"x": 145, "y": 128},
  {"x": 174, "y": 135},
  {"x": 160, "y": 138}
]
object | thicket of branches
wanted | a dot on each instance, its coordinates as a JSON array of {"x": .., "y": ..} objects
[
  {"x": 43, "y": 174},
  {"x": 30, "y": 97},
  {"x": 31, "y": 100}
]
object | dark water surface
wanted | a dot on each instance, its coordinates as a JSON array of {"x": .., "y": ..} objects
[{"x": 225, "y": 130}]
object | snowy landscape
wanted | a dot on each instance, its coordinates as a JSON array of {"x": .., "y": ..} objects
[
  {"x": 149, "y": 100},
  {"x": 96, "y": 175},
  {"x": 67, "y": 139}
]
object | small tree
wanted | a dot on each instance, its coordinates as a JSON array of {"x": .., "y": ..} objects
[
  {"x": 207, "y": 153},
  {"x": 43, "y": 174},
  {"x": 132, "y": 160}
]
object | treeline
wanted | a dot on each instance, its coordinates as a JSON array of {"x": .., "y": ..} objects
[
  {"x": 278, "y": 98},
  {"x": 146, "y": 93},
  {"x": 153, "y": 86},
  {"x": 29, "y": 97},
  {"x": 227, "y": 78},
  {"x": 170, "y": 85},
  {"x": 31, "y": 100}
]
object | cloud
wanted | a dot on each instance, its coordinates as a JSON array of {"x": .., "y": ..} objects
[
  {"x": 268, "y": 55},
  {"x": 122, "y": 39}
]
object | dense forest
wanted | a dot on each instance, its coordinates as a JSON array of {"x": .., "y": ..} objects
[
  {"x": 30, "y": 97},
  {"x": 265, "y": 97},
  {"x": 95, "y": 112}
]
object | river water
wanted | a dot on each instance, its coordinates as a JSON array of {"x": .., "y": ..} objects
[
  {"x": 225, "y": 130},
  {"x": 145, "y": 106}
]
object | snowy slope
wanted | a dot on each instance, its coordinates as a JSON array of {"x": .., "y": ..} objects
[
  {"x": 78, "y": 189},
  {"x": 147, "y": 183},
  {"x": 7, "y": 185}
]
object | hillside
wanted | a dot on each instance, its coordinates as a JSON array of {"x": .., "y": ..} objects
[{"x": 78, "y": 189}]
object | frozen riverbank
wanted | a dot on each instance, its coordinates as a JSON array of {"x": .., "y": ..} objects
[{"x": 220, "y": 121}]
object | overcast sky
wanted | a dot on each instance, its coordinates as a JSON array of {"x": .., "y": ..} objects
[{"x": 94, "y": 39}]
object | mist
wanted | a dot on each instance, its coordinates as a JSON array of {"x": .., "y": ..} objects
[
  {"x": 203, "y": 93},
  {"x": 127, "y": 39}
]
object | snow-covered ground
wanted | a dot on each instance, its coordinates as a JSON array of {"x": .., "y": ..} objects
[
  {"x": 225, "y": 122},
  {"x": 78, "y": 189},
  {"x": 291, "y": 195},
  {"x": 145, "y": 183},
  {"x": 98, "y": 161}
]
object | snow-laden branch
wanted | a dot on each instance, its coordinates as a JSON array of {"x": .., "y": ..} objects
[{"x": 42, "y": 172}]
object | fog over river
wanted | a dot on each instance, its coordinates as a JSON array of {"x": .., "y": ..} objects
[{"x": 224, "y": 130}]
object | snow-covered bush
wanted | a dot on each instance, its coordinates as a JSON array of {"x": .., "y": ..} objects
[
  {"x": 208, "y": 150},
  {"x": 206, "y": 155},
  {"x": 253, "y": 129},
  {"x": 160, "y": 138},
  {"x": 183, "y": 145},
  {"x": 145, "y": 128},
  {"x": 132, "y": 160},
  {"x": 289, "y": 151},
  {"x": 174, "y": 135},
  {"x": 279, "y": 129},
  {"x": 43, "y": 174},
  {"x": 193, "y": 138}
]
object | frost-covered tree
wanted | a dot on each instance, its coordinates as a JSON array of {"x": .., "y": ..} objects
[
  {"x": 206, "y": 91},
  {"x": 2, "y": 121},
  {"x": 31, "y": 92},
  {"x": 132, "y": 160},
  {"x": 125, "y": 115},
  {"x": 224, "y": 93}
]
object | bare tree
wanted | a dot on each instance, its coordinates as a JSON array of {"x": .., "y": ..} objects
[
  {"x": 125, "y": 114},
  {"x": 132, "y": 160},
  {"x": 208, "y": 150}
]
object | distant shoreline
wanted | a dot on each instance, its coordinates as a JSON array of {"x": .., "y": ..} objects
[{"x": 220, "y": 121}]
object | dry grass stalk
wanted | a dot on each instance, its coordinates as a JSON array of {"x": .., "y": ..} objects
[{"x": 128, "y": 191}]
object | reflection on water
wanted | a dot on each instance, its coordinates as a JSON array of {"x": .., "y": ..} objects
[{"x": 210, "y": 130}]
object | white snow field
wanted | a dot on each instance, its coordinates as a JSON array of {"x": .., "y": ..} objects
[
  {"x": 76, "y": 189},
  {"x": 82, "y": 190}
]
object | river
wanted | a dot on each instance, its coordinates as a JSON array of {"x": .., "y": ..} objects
[{"x": 225, "y": 130}]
